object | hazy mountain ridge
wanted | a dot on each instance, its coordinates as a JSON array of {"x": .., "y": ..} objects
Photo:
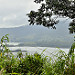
[{"x": 39, "y": 36}]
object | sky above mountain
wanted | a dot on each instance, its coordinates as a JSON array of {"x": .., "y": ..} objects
[{"x": 13, "y": 12}]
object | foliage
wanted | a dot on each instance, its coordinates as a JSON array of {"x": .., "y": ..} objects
[
  {"x": 36, "y": 64},
  {"x": 48, "y": 8}
]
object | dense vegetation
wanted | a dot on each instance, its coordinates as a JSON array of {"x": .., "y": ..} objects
[{"x": 36, "y": 64}]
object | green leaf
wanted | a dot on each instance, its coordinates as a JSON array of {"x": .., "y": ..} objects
[{"x": 43, "y": 51}]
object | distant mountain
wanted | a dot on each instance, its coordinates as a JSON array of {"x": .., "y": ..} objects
[{"x": 39, "y": 35}]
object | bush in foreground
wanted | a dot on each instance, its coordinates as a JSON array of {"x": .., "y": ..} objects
[{"x": 36, "y": 64}]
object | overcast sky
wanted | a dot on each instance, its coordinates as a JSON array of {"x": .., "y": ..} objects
[{"x": 13, "y": 12}]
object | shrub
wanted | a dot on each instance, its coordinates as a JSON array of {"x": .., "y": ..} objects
[{"x": 36, "y": 64}]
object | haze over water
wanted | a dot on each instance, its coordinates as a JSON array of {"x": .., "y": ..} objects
[{"x": 31, "y": 50}]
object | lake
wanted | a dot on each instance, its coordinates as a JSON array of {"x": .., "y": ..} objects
[{"x": 32, "y": 50}]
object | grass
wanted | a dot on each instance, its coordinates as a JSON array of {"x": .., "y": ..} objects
[{"x": 36, "y": 64}]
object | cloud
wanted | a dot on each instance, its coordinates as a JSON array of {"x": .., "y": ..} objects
[
  {"x": 9, "y": 17},
  {"x": 10, "y": 26},
  {"x": 14, "y": 12}
]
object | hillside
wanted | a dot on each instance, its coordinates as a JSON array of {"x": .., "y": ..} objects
[{"x": 39, "y": 35}]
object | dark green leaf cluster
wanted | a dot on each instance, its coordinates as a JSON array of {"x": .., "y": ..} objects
[
  {"x": 72, "y": 26},
  {"x": 38, "y": 1},
  {"x": 48, "y": 8}
]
